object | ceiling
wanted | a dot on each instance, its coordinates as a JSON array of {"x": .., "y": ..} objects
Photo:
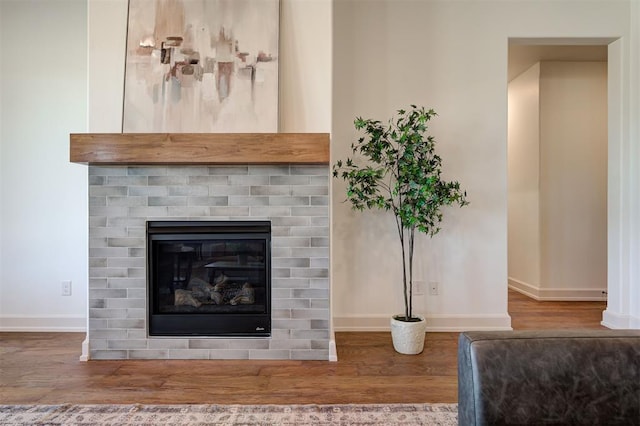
[{"x": 522, "y": 57}]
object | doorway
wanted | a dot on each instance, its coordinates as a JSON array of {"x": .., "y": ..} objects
[{"x": 557, "y": 170}]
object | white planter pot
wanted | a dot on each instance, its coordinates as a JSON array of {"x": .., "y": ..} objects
[{"x": 408, "y": 337}]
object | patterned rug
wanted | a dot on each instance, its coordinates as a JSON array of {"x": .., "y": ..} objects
[{"x": 248, "y": 415}]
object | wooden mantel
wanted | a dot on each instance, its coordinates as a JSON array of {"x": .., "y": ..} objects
[{"x": 199, "y": 148}]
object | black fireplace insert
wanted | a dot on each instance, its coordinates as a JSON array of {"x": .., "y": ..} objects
[{"x": 209, "y": 278}]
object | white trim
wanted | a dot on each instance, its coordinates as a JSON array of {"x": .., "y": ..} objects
[
  {"x": 558, "y": 294},
  {"x": 435, "y": 323},
  {"x": 84, "y": 356},
  {"x": 333, "y": 351},
  {"x": 51, "y": 323},
  {"x": 619, "y": 322}
]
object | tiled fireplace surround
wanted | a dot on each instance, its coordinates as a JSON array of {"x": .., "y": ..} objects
[{"x": 294, "y": 197}]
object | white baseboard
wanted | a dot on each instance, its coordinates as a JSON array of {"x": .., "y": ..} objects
[
  {"x": 52, "y": 323},
  {"x": 333, "y": 351},
  {"x": 619, "y": 322},
  {"x": 441, "y": 323},
  {"x": 558, "y": 294},
  {"x": 84, "y": 356}
]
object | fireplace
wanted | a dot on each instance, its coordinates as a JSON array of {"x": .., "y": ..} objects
[
  {"x": 209, "y": 278},
  {"x": 123, "y": 199}
]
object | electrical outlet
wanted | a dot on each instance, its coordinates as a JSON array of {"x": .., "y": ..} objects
[
  {"x": 66, "y": 288},
  {"x": 433, "y": 288},
  {"x": 418, "y": 288}
]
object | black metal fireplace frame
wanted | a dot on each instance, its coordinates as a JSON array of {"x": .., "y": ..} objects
[{"x": 235, "y": 324}]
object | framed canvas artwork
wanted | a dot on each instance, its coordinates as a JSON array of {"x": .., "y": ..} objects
[{"x": 201, "y": 66}]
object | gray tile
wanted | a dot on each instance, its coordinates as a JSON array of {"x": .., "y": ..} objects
[
  {"x": 167, "y": 180},
  {"x": 147, "y": 171},
  {"x": 229, "y": 354},
  {"x": 188, "y": 171},
  {"x": 292, "y": 324},
  {"x": 271, "y": 190},
  {"x": 291, "y": 304},
  {"x": 154, "y": 211},
  {"x": 148, "y": 354},
  {"x": 169, "y": 344},
  {"x": 312, "y": 314},
  {"x": 168, "y": 201},
  {"x": 228, "y": 170},
  {"x": 107, "y": 313},
  {"x": 209, "y": 201},
  {"x": 317, "y": 324},
  {"x": 126, "y": 323},
  {"x": 291, "y": 242},
  {"x": 290, "y": 344},
  {"x": 288, "y": 201},
  {"x": 290, "y": 283},
  {"x": 320, "y": 201},
  {"x": 136, "y": 313},
  {"x": 310, "y": 170},
  {"x": 209, "y": 344},
  {"x": 126, "y": 242},
  {"x": 105, "y": 355},
  {"x": 219, "y": 190},
  {"x": 310, "y": 334},
  {"x": 255, "y": 169},
  {"x": 189, "y": 211},
  {"x": 269, "y": 354},
  {"x": 291, "y": 262},
  {"x": 310, "y": 211},
  {"x": 310, "y": 190},
  {"x": 228, "y": 211},
  {"x": 107, "y": 171},
  {"x": 190, "y": 190},
  {"x": 254, "y": 180},
  {"x": 208, "y": 180},
  {"x": 309, "y": 272},
  {"x": 248, "y": 201},
  {"x": 188, "y": 354},
  {"x": 126, "y": 303},
  {"x": 310, "y": 355},
  {"x": 289, "y": 180},
  {"x": 103, "y": 191},
  {"x": 127, "y": 344},
  {"x": 270, "y": 211},
  {"x": 127, "y": 180}
]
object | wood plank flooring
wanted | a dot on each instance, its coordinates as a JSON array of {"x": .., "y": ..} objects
[{"x": 43, "y": 368}]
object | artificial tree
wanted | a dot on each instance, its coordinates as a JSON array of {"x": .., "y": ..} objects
[{"x": 401, "y": 173}]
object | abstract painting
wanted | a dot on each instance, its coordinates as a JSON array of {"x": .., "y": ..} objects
[{"x": 201, "y": 66}]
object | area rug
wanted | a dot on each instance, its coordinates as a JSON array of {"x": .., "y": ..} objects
[{"x": 248, "y": 415}]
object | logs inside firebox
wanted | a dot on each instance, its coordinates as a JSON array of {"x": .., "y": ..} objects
[{"x": 223, "y": 292}]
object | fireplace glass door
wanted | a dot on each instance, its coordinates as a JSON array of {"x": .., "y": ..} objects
[{"x": 209, "y": 278}]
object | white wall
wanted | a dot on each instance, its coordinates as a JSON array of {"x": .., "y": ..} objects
[
  {"x": 623, "y": 306},
  {"x": 43, "y": 221},
  {"x": 524, "y": 178},
  {"x": 451, "y": 56}
]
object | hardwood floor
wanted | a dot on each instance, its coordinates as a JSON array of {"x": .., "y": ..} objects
[{"x": 43, "y": 368}]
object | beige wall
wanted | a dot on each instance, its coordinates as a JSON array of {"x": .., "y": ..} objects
[
  {"x": 557, "y": 212},
  {"x": 573, "y": 178}
]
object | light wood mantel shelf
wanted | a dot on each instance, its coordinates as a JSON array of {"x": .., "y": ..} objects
[{"x": 199, "y": 148}]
